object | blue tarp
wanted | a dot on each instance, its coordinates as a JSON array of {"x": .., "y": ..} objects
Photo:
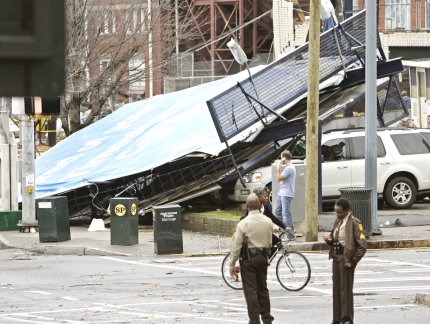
[{"x": 135, "y": 138}]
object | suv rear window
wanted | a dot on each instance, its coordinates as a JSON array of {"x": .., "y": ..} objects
[
  {"x": 410, "y": 144},
  {"x": 358, "y": 148}
]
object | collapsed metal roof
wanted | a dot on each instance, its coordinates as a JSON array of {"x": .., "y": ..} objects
[{"x": 252, "y": 120}]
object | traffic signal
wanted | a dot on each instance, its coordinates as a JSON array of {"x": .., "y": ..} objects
[{"x": 32, "y": 54}]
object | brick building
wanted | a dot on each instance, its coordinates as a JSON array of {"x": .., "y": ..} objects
[
  {"x": 127, "y": 50},
  {"x": 404, "y": 27}
]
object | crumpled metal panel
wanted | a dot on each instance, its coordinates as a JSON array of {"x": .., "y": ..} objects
[{"x": 287, "y": 79}]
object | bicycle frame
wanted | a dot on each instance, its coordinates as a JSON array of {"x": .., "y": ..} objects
[
  {"x": 281, "y": 245},
  {"x": 292, "y": 268}
]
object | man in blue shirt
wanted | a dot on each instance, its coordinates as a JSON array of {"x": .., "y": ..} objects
[
  {"x": 287, "y": 179},
  {"x": 406, "y": 100}
]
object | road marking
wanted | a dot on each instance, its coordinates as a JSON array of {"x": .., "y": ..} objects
[
  {"x": 169, "y": 267},
  {"x": 382, "y": 289},
  {"x": 21, "y": 320},
  {"x": 385, "y": 306},
  {"x": 322, "y": 291},
  {"x": 70, "y": 298},
  {"x": 37, "y": 292},
  {"x": 362, "y": 280},
  {"x": 167, "y": 315},
  {"x": 410, "y": 270},
  {"x": 35, "y": 319},
  {"x": 163, "y": 302},
  {"x": 404, "y": 263},
  {"x": 369, "y": 264}
]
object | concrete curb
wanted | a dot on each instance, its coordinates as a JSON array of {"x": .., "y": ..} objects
[
  {"x": 61, "y": 250},
  {"x": 73, "y": 250},
  {"x": 398, "y": 244},
  {"x": 5, "y": 244}
]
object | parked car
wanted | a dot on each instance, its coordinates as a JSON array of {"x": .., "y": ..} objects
[{"x": 403, "y": 165}]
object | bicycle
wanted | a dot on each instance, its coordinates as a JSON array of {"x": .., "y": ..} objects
[{"x": 293, "y": 270}]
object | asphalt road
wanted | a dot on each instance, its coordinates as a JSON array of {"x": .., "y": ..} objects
[{"x": 94, "y": 289}]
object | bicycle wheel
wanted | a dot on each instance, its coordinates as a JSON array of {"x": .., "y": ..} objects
[
  {"x": 293, "y": 271},
  {"x": 235, "y": 282}
]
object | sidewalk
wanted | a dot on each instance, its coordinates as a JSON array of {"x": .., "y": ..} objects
[{"x": 84, "y": 242}]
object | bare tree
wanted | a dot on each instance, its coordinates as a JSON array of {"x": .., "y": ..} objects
[{"x": 114, "y": 46}]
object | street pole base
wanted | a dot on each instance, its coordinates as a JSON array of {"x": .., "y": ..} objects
[{"x": 28, "y": 228}]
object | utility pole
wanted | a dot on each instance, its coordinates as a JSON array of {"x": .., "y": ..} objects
[
  {"x": 311, "y": 181},
  {"x": 28, "y": 172},
  {"x": 370, "y": 119}
]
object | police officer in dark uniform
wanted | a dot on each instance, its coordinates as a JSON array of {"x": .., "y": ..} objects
[
  {"x": 256, "y": 231},
  {"x": 348, "y": 246}
]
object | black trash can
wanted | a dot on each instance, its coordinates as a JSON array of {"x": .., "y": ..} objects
[
  {"x": 53, "y": 218},
  {"x": 168, "y": 229},
  {"x": 360, "y": 200},
  {"x": 124, "y": 227}
]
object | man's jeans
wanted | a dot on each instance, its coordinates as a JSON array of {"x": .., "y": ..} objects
[{"x": 283, "y": 210}]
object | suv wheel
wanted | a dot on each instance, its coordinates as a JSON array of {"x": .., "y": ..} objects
[
  {"x": 215, "y": 197},
  {"x": 400, "y": 193}
]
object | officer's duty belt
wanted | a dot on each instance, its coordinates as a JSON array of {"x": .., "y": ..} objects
[{"x": 258, "y": 251}]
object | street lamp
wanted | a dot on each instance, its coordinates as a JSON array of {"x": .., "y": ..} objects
[{"x": 241, "y": 58}]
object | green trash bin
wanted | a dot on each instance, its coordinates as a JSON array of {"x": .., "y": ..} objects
[
  {"x": 124, "y": 227},
  {"x": 168, "y": 229},
  {"x": 53, "y": 217},
  {"x": 360, "y": 200},
  {"x": 9, "y": 220}
]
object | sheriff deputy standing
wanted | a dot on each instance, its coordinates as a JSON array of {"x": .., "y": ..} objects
[
  {"x": 348, "y": 246},
  {"x": 257, "y": 230}
]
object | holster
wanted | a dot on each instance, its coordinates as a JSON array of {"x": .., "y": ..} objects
[{"x": 244, "y": 251}]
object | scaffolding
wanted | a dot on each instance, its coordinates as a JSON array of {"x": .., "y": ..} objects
[{"x": 217, "y": 21}]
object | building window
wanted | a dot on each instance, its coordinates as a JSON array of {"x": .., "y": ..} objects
[
  {"x": 398, "y": 14},
  {"x": 104, "y": 63},
  {"x": 106, "y": 22},
  {"x": 136, "y": 73},
  {"x": 136, "y": 21}
]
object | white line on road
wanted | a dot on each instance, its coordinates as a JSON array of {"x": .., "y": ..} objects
[
  {"x": 21, "y": 320},
  {"x": 410, "y": 270},
  {"x": 35, "y": 319},
  {"x": 322, "y": 291},
  {"x": 404, "y": 263},
  {"x": 164, "y": 315},
  {"x": 70, "y": 298},
  {"x": 362, "y": 280},
  {"x": 170, "y": 266},
  {"x": 382, "y": 289},
  {"x": 385, "y": 306},
  {"x": 37, "y": 292}
]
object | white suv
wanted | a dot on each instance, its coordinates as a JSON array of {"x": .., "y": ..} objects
[{"x": 403, "y": 165}]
